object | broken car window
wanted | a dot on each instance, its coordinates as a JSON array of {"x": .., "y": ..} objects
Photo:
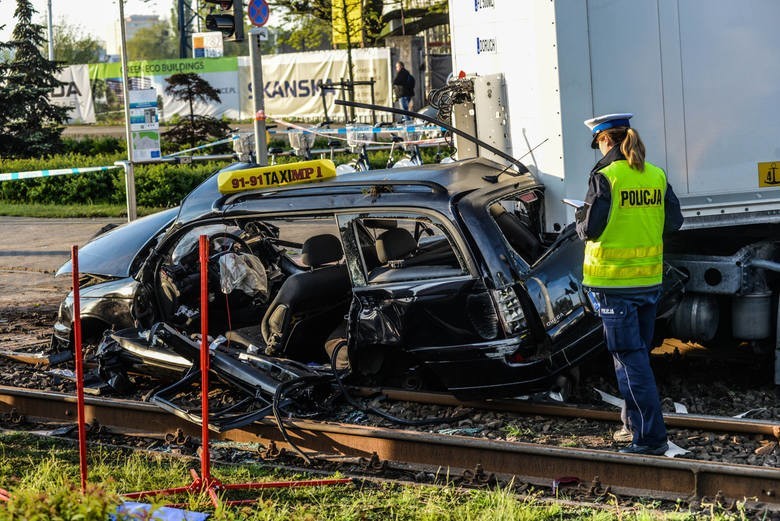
[
  {"x": 395, "y": 247},
  {"x": 512, "y": 219}
]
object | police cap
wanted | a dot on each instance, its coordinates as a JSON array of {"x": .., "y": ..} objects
[{"x": 604, "y": 122}]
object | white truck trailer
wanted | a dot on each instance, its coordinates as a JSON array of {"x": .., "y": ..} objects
[{"x": 703, "y": 81}]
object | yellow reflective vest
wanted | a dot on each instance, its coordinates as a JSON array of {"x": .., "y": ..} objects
[{"x": 629, "y": 252}]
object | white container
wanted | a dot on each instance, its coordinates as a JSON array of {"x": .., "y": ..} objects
[{"x": 701, "y": 77}]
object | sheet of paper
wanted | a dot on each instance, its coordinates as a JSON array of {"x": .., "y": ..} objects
[{"x": 576, "y": 203}]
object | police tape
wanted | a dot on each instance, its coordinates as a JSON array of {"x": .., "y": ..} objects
[
  {"x": 350, "y": 130},
  {"x": 355, "y": 131},
  {"x": 31, "y": 174}
]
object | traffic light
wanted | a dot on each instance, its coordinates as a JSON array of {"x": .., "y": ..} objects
[{"x": 229, "y": 21}]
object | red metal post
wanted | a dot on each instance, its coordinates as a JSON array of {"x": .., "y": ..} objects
[
  {"x": 205, "y": 457},
  {"x": 77, "y": 353},
  {"x": 205, "y": 484}
]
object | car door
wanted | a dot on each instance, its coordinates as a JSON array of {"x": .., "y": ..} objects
[{"x": 416, "y": 300}]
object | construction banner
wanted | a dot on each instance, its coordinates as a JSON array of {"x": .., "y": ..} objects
[
  {"x": 76, "y": 93},
  {"x": 347, "y": 16},
  {"x": 291, "y": 83},
  {"x": 221, "y": 73}
]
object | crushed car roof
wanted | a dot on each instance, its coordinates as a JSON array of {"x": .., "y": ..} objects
[{"x": 446, "y": 180}]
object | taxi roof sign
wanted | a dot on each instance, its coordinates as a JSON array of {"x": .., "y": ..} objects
[{"x": 275, "y": 176}]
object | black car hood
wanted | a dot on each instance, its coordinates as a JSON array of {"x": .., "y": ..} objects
[{"x": 112, "y": 254}]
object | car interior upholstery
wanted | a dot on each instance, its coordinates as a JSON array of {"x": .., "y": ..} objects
[{"x": 296, "y": 319}]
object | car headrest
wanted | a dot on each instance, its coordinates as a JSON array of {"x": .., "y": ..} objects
[
  {"x": 394, "y": 244},
  {"x": 384, "y": 224},
  {"x": 496, "y": 210},
  {"x": 321, "y": 249}
]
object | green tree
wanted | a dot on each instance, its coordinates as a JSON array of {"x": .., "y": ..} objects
[
  {"x": 378, "y": 16},
  {"x": 5, "y": 58},
  {"x": 158, "y": 42},
  {"x": 32, "y": 126},
  {"x": 191, "y": 88},
  {"x": 306, "y": 33},
  {"x": 72, "y": 47}
]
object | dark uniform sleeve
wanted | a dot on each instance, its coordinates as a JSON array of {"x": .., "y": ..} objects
[
  {"x": 673, "y": 218},
  {"x": 592, "y": 218}
]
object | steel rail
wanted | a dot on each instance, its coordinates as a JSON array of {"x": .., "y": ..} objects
[
  {"x": 679, "y": 421},
  {"x": 646, "y": 476}
]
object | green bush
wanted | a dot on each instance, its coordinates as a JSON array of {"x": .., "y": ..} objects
[
  {"x": 63, "y": 189},
  {"x": 90, "y": 146},
  {"x": 166, "y": 184},
  {"x": 159, "y": 185},
  {"x": 65, "y": 504}
]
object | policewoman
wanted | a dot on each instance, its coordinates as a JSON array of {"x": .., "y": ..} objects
[{"x": 628, "y": 208}]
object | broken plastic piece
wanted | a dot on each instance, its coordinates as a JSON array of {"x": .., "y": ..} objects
[
  {"x": 37, "y": 358},
  {"x": 133, "y": 510},
  {"x": 674, "y": 450},
  {"x": 751, "y": 411},
  {"x": 608, "y": 398}
]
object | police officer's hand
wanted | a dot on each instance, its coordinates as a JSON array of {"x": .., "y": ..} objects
[{"x": 581, "y": 213}]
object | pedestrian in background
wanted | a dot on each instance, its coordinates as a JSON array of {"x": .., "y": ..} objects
[
  {"x": 628, "y": 208},
  {"x": 403, "y": 86}
]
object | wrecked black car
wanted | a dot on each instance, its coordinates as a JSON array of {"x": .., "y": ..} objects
[{"x": 437, "y": 277}]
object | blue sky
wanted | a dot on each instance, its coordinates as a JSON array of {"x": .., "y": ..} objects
[{"x": 96, "y": 17}]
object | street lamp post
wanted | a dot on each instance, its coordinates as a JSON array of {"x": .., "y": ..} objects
[
  {"x": 129, "y": 171},
  {"x": 51, "y": 32}
]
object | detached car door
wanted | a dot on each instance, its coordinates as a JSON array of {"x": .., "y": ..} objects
[{"x": 417, "y": 309}]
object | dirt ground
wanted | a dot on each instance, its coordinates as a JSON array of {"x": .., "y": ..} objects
[{"x": 31, "y": 252}]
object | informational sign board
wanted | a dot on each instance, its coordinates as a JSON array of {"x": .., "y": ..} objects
[
  {"x": 207, "y": 45},
  {"x": 144, "y": 125},
  {"x": 769, "y": 174}
]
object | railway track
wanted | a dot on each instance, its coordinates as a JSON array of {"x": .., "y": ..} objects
[
  {"x": 679, "y": 421},
  {"x": 619, "y": 474}
]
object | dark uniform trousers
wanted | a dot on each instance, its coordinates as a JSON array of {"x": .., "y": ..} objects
[{"x": 629, "y": 318}]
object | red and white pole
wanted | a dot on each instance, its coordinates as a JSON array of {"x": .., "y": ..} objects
[
  {"x": 205, "y": 458},
  {"x": 77, "y": 353}
]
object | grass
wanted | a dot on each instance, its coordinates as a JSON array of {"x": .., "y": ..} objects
[
  {"x": 515, "y": 431},
  {"x": 42, "y": 475},
  {"x": 58, "y": 211}
]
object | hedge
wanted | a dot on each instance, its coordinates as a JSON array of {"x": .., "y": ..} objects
[
  {"x": 157, "y": 185},
  {"x": 160, "y": 185}
]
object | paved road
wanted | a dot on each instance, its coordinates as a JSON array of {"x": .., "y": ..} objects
[{"x": 31, "y": 251}]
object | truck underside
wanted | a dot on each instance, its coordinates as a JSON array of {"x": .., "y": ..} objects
[{"x": 732, "y": 288}]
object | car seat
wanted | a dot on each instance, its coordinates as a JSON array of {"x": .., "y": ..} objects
[
  {"x": 398, "y": 252},
  {"x": 309, "y": 304},
  {"x": 394, "y": 244}
]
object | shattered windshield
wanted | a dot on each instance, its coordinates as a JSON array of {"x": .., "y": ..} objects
[
  {"x": 187, "y": 247},
  {"x": 112, "y": 253}
]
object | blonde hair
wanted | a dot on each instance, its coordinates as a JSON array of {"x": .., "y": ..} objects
[{"x": 630, "y": 145}]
